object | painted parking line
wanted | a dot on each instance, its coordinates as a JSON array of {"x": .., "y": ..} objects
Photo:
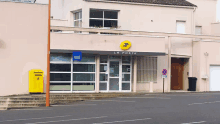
[
  {"x": 122, "y": 121},
  {"x": 35, "y": 118},
  {"x": 112, "y": 100},
  {"x": 203, "y": 103},
  {"x": 194, "y": 122},
  {"x": 145, "y": 97},
  {"x": 76, "y": 105},
  {"x": 68, "y": 120}
]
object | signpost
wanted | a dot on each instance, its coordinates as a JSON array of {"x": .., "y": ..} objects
[{"x": 164, "y": 76}]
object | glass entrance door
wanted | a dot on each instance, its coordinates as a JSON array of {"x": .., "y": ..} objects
[{"x": 114, "y": 75}]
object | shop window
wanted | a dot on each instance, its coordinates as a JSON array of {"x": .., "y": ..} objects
[
  {"x": 103, "y": 59},
  {"x": 125, "y": 68},
  {"x": 60, "y": 86},
  {"x": 103, "y": 18},
  {"x": 63, "y": 71},
  {"x": 60, "y": 77},
  {"x": 87, "y": 58},
  {"x": 83, "y": 86},
  {"x": 125, "y": 77},
  {"x": 60, "y": 67},
  {"x": 103, "y": 77},
  {"x": 60, "y": 57},
  {"x": 126, "y": 59},
  {"x": 103, "y": 67},
  {"x": 146, "y": 69},
  {"x": 125, "y": 86},
  {"x": 103, "y": 86},
  {"x": 84, "y": 68},
  {"x": 83, "y": 77}
]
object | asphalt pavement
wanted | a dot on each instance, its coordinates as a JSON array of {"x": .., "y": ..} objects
[{"x": 175, "y": 108}]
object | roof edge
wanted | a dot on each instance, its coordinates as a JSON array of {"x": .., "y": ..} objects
[{"x": 146, "y": 4}]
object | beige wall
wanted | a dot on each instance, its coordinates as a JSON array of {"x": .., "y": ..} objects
[
  {"x": 139, "y": 17},
  {"x": 201, "y": 63},
  {"x": 23, "y": 44},
  {"x": 216, "y": 28},
  {"x": 59, "y": 22},
  {"x": 213, "y": 48},
  {"x": 71, "y": 41},
  {"x": 205, "y": 14}
]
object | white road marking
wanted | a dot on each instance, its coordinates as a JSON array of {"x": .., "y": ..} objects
[
  {"x": 37, "y": 118},
  {"x": 122, "y": 121},
  {"x": 67, "y": 120},
  {"x": 195, "y": 122},
  {"x": 191, "y": 94},
  {"x": 75, "y": 105},
  {"x": 112, "y": 100},
  {"x": 146, "y": 97},
  {"x": 203, "y": 103},
  {"x": 31, "y": 109}
]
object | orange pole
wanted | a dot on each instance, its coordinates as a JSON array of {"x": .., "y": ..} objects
[{"x": 48, "y": 60}]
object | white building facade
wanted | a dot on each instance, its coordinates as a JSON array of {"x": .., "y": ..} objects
[{"x": 105, "y": 67}]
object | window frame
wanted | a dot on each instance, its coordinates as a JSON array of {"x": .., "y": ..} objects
[
  {"x": 198, "y": 26},
  {"x": 80, "y": 18},
  {"x": 103, "y": 18},
  {"x": 72, "y": 72},
  {"x": 181, "y": 21}
]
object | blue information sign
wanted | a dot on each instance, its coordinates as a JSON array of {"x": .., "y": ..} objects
[{"x": 77, "y": 55}]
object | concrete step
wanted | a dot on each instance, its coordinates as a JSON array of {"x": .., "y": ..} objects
[
  {"x": 26, "y": 101},
  {"x": 25, "y": 105},
  {"x": 30, "y": 101},
  {"x": 3, "y": 108},
  {"x": 27, "y": 98}
]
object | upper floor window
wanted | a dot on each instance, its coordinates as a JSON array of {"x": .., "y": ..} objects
[
  {"x": 103, "y": 18},
  {"x": 77, "y": 19},
  {"x": 180, "y": 27},
  {"x": 198, "y": 30}
]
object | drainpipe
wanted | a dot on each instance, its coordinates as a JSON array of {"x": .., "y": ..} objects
[{"x": 193, "y": 29}]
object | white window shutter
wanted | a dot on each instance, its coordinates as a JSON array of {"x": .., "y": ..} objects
[{"x": 180, "y": 27}]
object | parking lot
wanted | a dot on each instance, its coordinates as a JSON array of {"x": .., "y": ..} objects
[{"x": 172, "y": 108}]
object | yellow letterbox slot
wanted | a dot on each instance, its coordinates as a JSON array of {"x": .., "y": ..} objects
[{"x": 36, "y": 82}]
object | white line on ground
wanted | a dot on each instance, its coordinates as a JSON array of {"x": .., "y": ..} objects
[
  {"x": 68, "y": 120},
  {"x": 36, "y": 118},
  {"x": 75, "y": 105},
  {"x": 122, "y": 121},
  {"x": 191, "y": 94},
  {"x": 30, "y": 109},
  {"x": 203, "y": 103},
  {"x": 145, "y": 97},
  {"x": 195, "y": 122},
  {"x": 112, "y": 100}
]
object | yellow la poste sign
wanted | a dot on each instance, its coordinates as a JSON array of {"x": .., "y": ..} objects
[{"x": 125, "y": 45}]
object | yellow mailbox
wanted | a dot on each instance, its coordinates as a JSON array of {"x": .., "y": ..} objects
[{"x": 36, "y": 82}]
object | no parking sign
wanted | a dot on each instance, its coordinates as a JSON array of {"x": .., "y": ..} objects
[{"x": 164, "y": 73}]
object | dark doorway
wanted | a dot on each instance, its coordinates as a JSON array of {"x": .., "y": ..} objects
[{"x": 177, "y": 68}]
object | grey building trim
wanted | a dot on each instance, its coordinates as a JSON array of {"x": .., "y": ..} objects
[{"x": 110, "y": 52}]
